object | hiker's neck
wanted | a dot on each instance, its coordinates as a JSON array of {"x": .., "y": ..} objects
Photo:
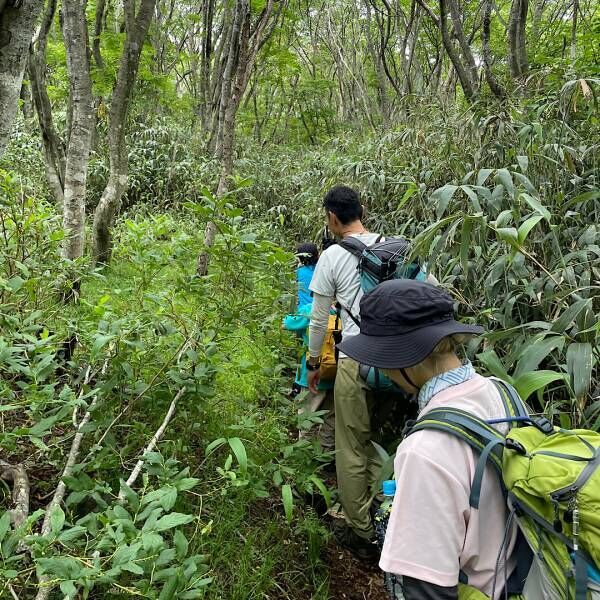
[
  {"x": 431, "y": 367},
  {"x": 352, "y": 229}
]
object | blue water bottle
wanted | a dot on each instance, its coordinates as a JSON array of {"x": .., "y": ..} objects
[{"x": 393, "y": 583}]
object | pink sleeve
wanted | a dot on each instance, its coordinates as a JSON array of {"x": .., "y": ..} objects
[{"x": 427, "y": 526}]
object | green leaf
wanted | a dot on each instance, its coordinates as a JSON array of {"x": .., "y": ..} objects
[
  {"x": 71, "y": 534},
  {"x": 465, "y": 243},
  {"x": 490, "y": 360},
  {"x": 509, "y": 235},
  {"x": 131, "y": 497},
  {"x": 322, "y": 488},
  {"x": 386, "y": 471},
  {"x": 187, "y": 483},
  {"x": 580, "y": 364},
  {"x": 4, "y": 524},
  {"x": 381, "y": 451},
  {"x": 483, "y": 175},
  {"x": 411, "y": 190},
  {"x": 526, "y": 227},
  {"x": 168, "y": 498},
  {"x": 68, "y": 589},
  {"x": 505, "y": 178},
  {"x": 240, "y": 453},
  {"x": 442, "y": 197},
  {"x": 523, "y": 162},
  {"x": 570, "y": 314},
  {"x": 99, "y": 343},
  {"x": 198, "y": 592},
  {"x": 170, "y": 588},
  {"x": 535, "y": 351},
  {"x": 57, "y": 520},
  {"x": 151, "y": 541},
  {"x": 181, "y": 544},
  {"x": 42, "y": 426},
  {"x": 536, "y": 205},
  {"x": 133, "y": 568},
  {"x": 214, "y": 445},
  {"x": 531, "y": 382},
  {"x": 64, "y": 567},
  {"x": 121, "y": 513},
  {"x": 172, "y": 520},
  {"x": 468, "y": 190},
  {"x": 288, "y": 501}
]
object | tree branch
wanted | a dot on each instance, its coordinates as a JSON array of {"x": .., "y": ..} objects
[{"x": 155, "y": 438}]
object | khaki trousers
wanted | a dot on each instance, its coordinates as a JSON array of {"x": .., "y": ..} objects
[
  {"x": 324, "y": 433},
  {"x": 357, "y": 463}
]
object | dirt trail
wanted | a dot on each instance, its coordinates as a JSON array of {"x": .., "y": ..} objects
[{"x": 352, "y": 579}]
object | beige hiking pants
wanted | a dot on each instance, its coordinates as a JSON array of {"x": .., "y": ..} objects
[{"x": 357, "y": 462}]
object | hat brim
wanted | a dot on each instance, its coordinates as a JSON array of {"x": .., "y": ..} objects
[{"x": 403, "y": 350}]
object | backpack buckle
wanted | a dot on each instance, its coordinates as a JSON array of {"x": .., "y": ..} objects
[
  {"x": 543, "y": 424},
  {"x": 516, "y": 446}
]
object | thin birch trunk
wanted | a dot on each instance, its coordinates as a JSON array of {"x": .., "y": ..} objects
[
  {"x": 463, "y": 72},
  {"x": 137, "y": 29},
  {"x": 241, "y": 58},
  {"x": 17, "y": 25},
  {"x": 495, "y": 86},
  {"x": 573, "y": 50},
  {"x": 75, "y": 34},
  {"x": 54, "y": 148},
  {"x": 517, "y": 48}
]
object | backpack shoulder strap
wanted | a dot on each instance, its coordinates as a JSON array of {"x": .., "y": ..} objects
[
  {"x": 483, "y": 438},
  {"x": 513, "y": 404},
  {"x": 353, "y": 245}
]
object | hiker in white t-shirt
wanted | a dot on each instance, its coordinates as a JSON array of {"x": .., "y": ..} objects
[
  {"x": 336, "y": 278},
  {"x": 435, "y": 537}
]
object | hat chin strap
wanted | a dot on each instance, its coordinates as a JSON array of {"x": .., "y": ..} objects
[{"x": 408, "y": 379}]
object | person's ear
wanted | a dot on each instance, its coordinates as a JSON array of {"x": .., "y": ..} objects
[
  {"x": 334, "y": 223},
  {"x": 363, "y": 211}
]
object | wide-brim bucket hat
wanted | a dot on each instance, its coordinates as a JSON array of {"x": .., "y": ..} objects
[{"x": 401, "y": 322}]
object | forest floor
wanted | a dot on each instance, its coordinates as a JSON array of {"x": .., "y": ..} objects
[{"x": 350, "y": 578}]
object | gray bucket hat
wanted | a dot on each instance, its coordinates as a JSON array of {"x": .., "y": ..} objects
[{"x": 401, "y": 322}]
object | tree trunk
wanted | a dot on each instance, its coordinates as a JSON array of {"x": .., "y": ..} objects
[
  {"x": 376, "y": 58},
  {"x": 100, "y": 9},
  {"x": 573, "y": 51},
  {"x": 136, "y": 31},
  {"x": 487, "y": 53},
  {"x": 75, "y": 34},
  {"x": 463, "y": 72},
  {"x": 242, "y": 51},
  {"x": 517, "y": 49},
  {"x": 207, "y": 51},
  {"x": 54, "y": 149},
  {"x": 17, "y": 24}
]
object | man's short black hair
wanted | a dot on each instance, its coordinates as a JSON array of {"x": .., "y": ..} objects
[
  {"x": 344, "y": 203},
  {"x": 308, "y": 254}
]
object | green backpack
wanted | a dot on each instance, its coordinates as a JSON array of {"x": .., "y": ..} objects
[{"x": 552, "y": 484}]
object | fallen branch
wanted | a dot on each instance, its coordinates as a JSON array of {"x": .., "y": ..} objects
[
  {"x": 130, "y": 405},
  {"x": 12, "y": 592},
  {"x": 155, "y": 438},
  {"x": 59, "y": 494},
  {"x": 20, "y": 492}
]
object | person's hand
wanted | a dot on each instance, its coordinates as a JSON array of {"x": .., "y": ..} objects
[{"x": 314, "y": 377}]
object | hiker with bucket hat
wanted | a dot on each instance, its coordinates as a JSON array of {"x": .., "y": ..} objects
[{"x": 435, "y": 539}]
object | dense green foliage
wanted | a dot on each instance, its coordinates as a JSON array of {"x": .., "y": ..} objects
[{"x": 501, "y": 196}]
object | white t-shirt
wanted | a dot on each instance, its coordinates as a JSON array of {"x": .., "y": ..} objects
[
  {"x": 336, "y": 276},
  {"x": 433, "y": 532}
]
